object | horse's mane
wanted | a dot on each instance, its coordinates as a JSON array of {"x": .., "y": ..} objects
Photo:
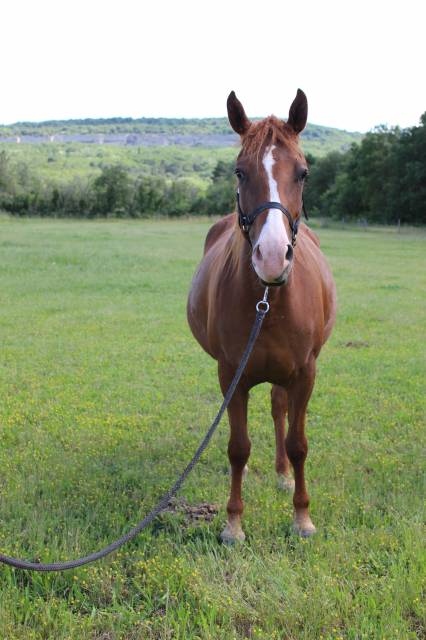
[
  {"x": 234, "y": 247},
  {"x": 261, "y": 134},
  {"x": 266, "y": 132}
]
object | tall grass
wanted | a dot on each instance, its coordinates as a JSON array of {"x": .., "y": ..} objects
[{"x": 104, "y": 396}]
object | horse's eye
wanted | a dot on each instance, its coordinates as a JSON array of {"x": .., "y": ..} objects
[
  {"x": 303, "y": 175},
  {"x": 239, "y": 174}
]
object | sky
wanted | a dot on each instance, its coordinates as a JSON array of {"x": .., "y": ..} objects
[{"x": 361, "y": 63}]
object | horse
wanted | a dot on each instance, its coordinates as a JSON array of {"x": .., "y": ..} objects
[{"x": 245, "y": 251}]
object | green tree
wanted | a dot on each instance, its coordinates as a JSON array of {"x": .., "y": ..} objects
[
  {"x": 382, "y": 179},
  {"x": 150, "y": 196},
  {"x": 220, "y": 194},
  {"x": 112, "y": 192},
  {"x": 322, "y": 176},
  {"x": 409, "y": 184},
  {"x": 7, "y": 181},
  {"x": 181, "y": 196}
]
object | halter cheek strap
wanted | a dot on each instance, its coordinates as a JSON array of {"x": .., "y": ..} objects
[{"x": 246, "y": 220}]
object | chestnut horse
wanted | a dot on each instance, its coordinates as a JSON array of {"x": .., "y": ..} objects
[{"x": 244, "y": 252}]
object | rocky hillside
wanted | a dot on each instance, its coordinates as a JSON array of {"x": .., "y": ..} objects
[{"x": 148, "y": 132}]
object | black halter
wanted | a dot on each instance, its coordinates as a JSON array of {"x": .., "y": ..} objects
[{"x": 246, "y": 221}]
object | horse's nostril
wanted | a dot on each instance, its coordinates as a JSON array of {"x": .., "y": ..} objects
[
  {"x": 289, "y": 254},
  {"x": 257, "y": 252}
]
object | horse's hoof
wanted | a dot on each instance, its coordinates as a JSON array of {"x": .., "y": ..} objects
[
  {"x": 304, "y": 532},
  {"x": 232, "y": 534},
  {"x": 285, "y": 483},
  {"x": 304, "y": 527}
]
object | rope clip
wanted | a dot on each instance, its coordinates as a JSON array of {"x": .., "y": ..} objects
[{"x": 263, "y": 309}]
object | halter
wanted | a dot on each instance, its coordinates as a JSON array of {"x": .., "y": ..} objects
[{"x": 245, "y": 221}]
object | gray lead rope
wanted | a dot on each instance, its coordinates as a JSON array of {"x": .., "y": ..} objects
[{"x": 262, "y": 309}]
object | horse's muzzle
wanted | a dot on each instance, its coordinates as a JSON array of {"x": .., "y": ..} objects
[
  {"x": 279, "y": 281},
  {"x": 265, "y": 267}
]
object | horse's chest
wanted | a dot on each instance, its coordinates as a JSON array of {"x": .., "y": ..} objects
[
  {"x": 276, "y": 358},
  {"x": 279, "y": 352}
]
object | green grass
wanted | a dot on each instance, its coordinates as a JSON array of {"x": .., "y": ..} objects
[{"x": 105, "y": 395}]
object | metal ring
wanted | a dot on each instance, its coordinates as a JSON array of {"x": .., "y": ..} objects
[{"x": 265, "y": 309}]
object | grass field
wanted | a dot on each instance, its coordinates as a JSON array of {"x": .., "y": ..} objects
[{"x": 104, "y": 395}]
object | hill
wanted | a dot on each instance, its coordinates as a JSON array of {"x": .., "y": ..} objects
[
  {"x": 163, "y": 165},
  {"x": 204, "y": 132}
]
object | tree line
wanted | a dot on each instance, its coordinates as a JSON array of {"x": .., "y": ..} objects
[
  {"x": 115, "y": 192},
  {"x": 381, "y": 180}
]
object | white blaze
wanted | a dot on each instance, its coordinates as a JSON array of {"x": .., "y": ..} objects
[{"x": 273, "y": 233}]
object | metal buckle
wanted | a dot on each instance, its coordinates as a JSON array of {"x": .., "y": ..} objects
[
  {"x": 259, "y": 308},
  {"x": 265, "y": 302}
]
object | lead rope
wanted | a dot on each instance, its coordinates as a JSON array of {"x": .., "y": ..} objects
[{"x": 262, "y": 309}]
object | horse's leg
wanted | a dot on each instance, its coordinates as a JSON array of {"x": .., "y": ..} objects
[
  {"x": 297, "y": 445},
  {"x": 238, "y": 452},
  {"x": 279, "y": 407}
]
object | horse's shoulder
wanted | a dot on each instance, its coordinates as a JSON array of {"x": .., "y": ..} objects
[
  {"x": 218, "y": 229},
  {"x": 310, "y": 234}
]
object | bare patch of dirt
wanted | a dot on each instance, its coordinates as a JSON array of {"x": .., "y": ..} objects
[
  {"x": 417, "y": 625},
  {"x": 357, "y": 344},
  {"x": 197, "y": 513}
]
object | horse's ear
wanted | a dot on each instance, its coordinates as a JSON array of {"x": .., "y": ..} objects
[
  {"x": 298, "y": 113},
  {"x": 236, "y": 114}
]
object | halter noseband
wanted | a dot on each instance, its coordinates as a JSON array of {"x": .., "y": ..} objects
[{"x": 246, "y": 220}]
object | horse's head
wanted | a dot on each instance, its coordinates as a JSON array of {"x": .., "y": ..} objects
[{"x": 271, "y": 170}]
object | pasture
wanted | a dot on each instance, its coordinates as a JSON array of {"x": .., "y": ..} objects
[{"x": 104, "y": 395}]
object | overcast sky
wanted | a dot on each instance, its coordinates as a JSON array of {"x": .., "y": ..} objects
[{"x": 360, "y": 63}]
